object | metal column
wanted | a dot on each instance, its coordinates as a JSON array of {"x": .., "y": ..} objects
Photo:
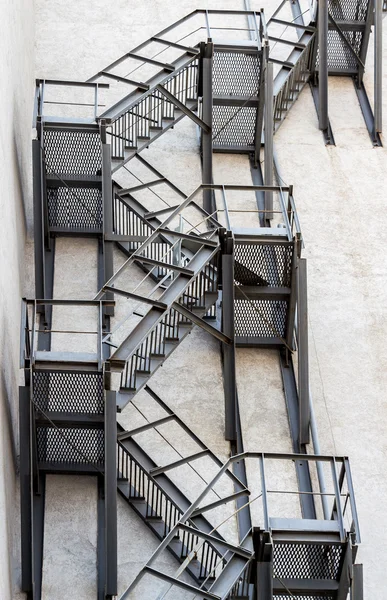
[
  {"x": 37, "y": 164},
  {"x": 323, "y": 63},
  {"x": 110, "y": 495},
  {"x": 107, "y": 191},
  {"x": 207, "y": 52},
  {"x": 228, "y": 329},
  {"x": 357, "y": 583},
  {"x": 269, "y": 132},
  {"x": 378, "y": 66},
  {"x": 303, "y": 358},
  {"x": 25, "y": 489}
]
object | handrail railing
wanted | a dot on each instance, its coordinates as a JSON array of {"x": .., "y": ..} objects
[
  {"x": 31, "y": 328},
  {"x": 141, "y": 485},
  {"x": 167, "y": 329},
  {"x": 295, "y": 80},
  {"x": 148, "y": 110},
  {"x": 40, "y": 100}
]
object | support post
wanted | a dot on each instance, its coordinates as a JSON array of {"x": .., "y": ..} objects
[
  {"x": 378, "y": 39},
  {"x": 110, "y": 495},
  {"x": 25, "y": 489},
  {"x": 303, "y": 357},
  {"x": 38, "y": 219},
  {"x": 261, "y": 106},
  {"x": 323, "y": 63},
  {"x": 229, "y": 375},
  {"x": 357, "y": 583},
  {"x": 263, "y": 549},
  {"x": 207, "y": 57},
  {"x": 269, "y": 131},
  {"x": 107, "y": 191}
]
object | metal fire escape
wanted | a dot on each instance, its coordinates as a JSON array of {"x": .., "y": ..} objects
[{"x": 201, "y": 266}]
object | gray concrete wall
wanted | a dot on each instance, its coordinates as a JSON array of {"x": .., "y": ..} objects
[
  {"x": 340, "y": 205},
  {"x": 16, "y": 75}
]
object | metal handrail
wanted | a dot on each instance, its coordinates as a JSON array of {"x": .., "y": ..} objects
[
  {"x": 143, "y": 485},
  {"x": 28, "y": 332},
  {"x": 39, "y": 101}
]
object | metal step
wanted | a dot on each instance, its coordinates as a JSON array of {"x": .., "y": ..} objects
[{"x": 125, "y": 395}]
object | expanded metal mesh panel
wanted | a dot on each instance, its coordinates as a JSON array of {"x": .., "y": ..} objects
[
  {"x": 303, "y": 597},
  {"x": 348, "y": 10},
  {"x": 233, "y": 125},
  {"x": 70, "y": 446},
  {"x": 263, "y": 264},
  {"x": 236, "y": 74},
  {"x": 75, "y": 207},
  {"x": 340, "y": 56},
  {"x": 75, "y": 152},
  {"x": 307, "y": 561},
  {"x": 61, "y": 391},
  {"x": 260, "y": 318}
]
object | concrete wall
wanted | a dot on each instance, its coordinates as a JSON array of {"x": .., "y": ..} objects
[
  {"x": 16, "y": 75},
  {"x": 340, "y": 206}
]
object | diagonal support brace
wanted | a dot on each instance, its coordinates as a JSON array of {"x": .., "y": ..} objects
[
  {"x": 202, "y": 323},
  {"x": 179, "y": 105}
]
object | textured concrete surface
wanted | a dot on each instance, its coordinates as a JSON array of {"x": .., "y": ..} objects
[
  {"x": 338, "y": 192},
  {"x": 16, "y": 74}
]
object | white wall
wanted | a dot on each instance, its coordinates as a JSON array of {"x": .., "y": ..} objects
[{"x": 16, "y": 76}]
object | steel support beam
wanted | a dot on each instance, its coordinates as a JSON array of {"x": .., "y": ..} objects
[
  {"x": 207, "y": 57},
  {"x": 263, "y": 549},
  {"x": 378, "y": 54},
  {"x": 110, "y": 495},
  {"x": 303, "y": 353},
  {"x": 357, "y": 583},
  {"x": 37, "y": 165},
  {"x": 38, "y": 504},
  {"x": 25, "y": 489},
  {"x": 107, "y": 191},
  {"x": 228, "y": 350},
  {"x": 323, "y": 63},
  {"x": 101, "y": 547},
  {"x": 269, "y": 132},
  {"x": 302, "y": 469},
  {"x": 327, "y": 133}
]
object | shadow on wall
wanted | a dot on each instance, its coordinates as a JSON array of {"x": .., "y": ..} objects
[
  {"x": 9, "y": 395},
  {"x": 22, "y": 166}
]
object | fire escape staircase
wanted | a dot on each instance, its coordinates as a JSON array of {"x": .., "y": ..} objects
[
  {"x": 64, "y": 405},
  {"x": 158, "y": 501}
]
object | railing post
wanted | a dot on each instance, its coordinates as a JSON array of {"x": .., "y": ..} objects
[
  {"x": 269, "y": 130},
  {"x": 323, "y": 63},
  {"x": 207, "y": 56}
]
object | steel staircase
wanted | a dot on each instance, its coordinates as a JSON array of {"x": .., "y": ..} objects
[
  {"x": 253, "y": 278},
  {"x": 154, "y": 107},
  {"x": 158, "y": 500},
  {"x": 188, "y": 293}
]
